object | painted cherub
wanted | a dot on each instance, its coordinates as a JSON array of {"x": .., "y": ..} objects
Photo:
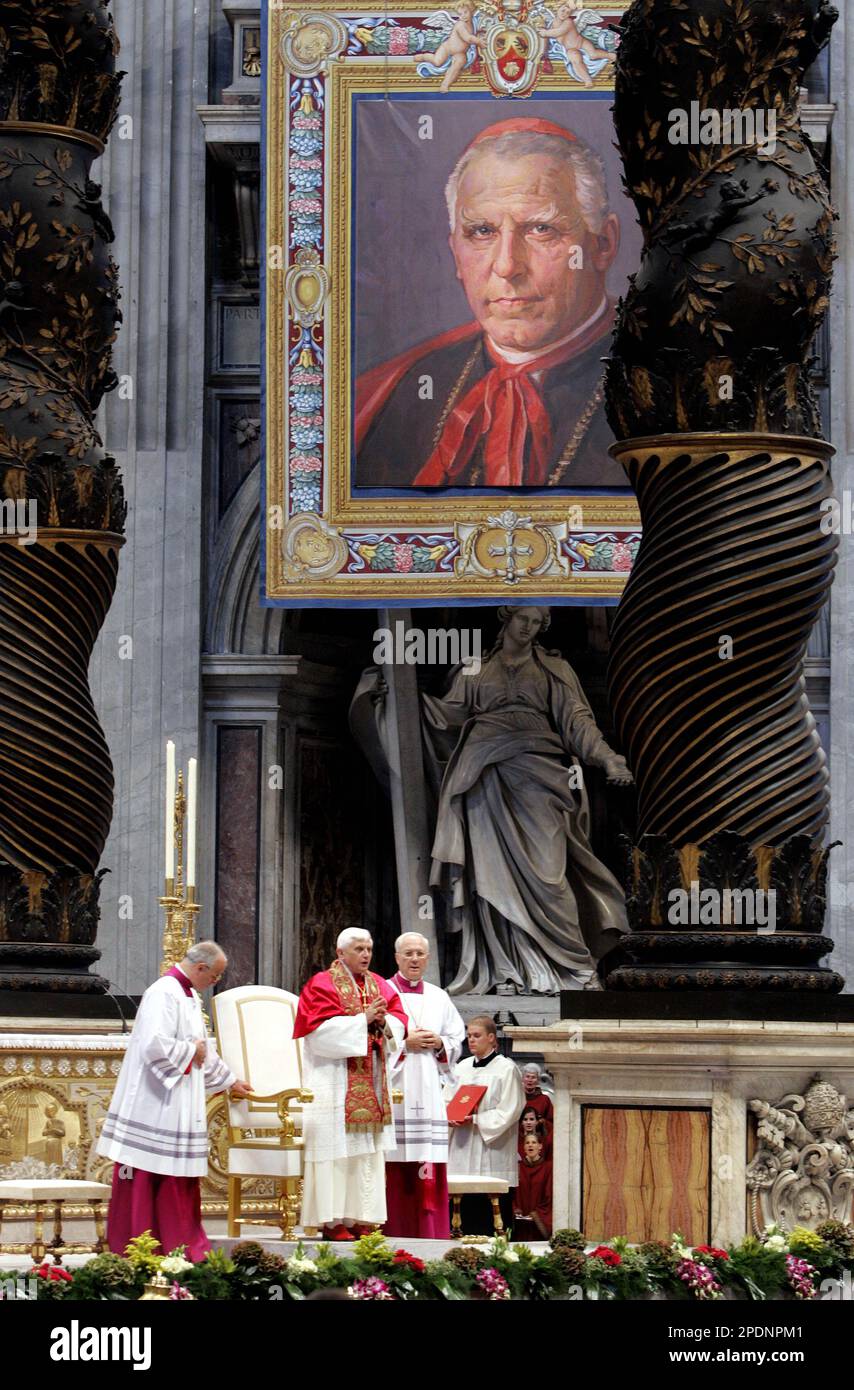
[
  {"x": 455, "y": 46},
  {"x": 565, "y": 31}
]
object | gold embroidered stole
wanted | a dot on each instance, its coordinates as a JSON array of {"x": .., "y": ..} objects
[{"x": 363, "y": 1109}]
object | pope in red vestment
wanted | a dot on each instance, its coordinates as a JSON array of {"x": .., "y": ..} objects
[
  {"x": 513, "y": 398},
  {"x": 351, "y": 1022}
]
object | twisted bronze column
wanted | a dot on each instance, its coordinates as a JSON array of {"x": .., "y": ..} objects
[
  {"x": 708, "y": 391},
  {"x": 61, "y": 504}
]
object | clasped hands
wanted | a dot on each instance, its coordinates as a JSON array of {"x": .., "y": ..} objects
[
  {"x": 422, "y": 1040},
  {"x": 375, "y": 1013}
]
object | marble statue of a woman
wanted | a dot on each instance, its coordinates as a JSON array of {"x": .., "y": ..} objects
[{"x": 535, "y": 907}]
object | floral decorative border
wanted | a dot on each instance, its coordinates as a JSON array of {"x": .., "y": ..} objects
[{"x": 411, "y": 552}]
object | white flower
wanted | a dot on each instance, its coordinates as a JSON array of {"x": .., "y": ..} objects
[
  {"x": 296, "y": 1265},
  {"x": 498, "y": 1248},
  {"x": 174, "y": 1264},
  {"x": 775, "y": 1239}
]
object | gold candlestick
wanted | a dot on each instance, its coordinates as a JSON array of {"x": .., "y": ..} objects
[{"x": 178, "y": 902}]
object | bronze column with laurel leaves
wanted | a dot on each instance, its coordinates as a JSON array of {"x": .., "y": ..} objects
[
  {"x": 61, "y": 503},
  {"x": 708, "y": 389}
]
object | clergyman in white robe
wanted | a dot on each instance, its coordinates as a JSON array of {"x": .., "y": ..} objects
[
  {"x": 416, "y": 1171},
  {"x": 487, "y": 1146},
  {"x": 156, "y": 1129}
]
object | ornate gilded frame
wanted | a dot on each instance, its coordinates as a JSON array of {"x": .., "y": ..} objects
[{"x": 320, "y": 544}]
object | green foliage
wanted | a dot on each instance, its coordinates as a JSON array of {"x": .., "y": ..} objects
[
  {"x": 141, "y": 1252},
  {"x": 570, "y": 1263},
  {"x": 569, "y": 1237},
  {"x": 546, "y": 1278},
  {"x": 467, "y": 1258},
  {"x": 661, "y": 1259},
  {"x": 448, "y": 1279},
  {"x": 374, "y": 1250},
  {"x": 211, "y": 1279},
  {"x": 759, "y": 1271},
  {"x": 107, "y": 1278},
  {"x": 623, "y": 1281},
  {"x": 809, "y": 1245},
  {"x": 840, "y": 1237},
  {"x": 754, "y": 1269}
]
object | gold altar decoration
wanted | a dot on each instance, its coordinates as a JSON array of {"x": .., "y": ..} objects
[{"x": 179, "y": 899}]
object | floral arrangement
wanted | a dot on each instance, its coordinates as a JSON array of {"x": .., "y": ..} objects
[{"x": 774, "y": 1265}]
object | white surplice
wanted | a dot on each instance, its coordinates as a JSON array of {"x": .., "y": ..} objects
[
  {"x": 421, "y": 1125},
  {"x": 344, "y": 1169},
  {"x": 157, "y": 1119},
  {"x": 488, "y": 1146}
]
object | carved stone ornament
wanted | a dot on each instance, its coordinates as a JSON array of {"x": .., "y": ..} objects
[{"x": 803, "y": 1171}]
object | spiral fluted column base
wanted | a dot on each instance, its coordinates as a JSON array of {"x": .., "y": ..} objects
[
  {"x": 708, "y": 695},
  {"x": 56, "y": 780}
]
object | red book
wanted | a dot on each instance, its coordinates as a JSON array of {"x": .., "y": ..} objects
[{"x": 465, "y": 1102}]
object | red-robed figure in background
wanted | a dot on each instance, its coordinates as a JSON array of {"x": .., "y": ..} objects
[
  {"x": 352, "y": 1023},
  {"x": 535, "y": 1096},
  {"x": 532, "y": 1200}
]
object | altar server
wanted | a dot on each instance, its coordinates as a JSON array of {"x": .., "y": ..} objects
[
  {"x": 485, "y": 1143},
  {"x": 416, "y": 1171},
  {"x": 353, "y": 1023},
  {"x": 156, "y": 1130}
]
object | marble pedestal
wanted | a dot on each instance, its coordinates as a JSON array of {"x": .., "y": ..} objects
[{"x": 702, "y": 1065}]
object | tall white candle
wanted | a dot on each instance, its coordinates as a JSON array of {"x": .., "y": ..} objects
[
  {"x": 170, "y": 809},
  {"x": 191, "y": 824}
]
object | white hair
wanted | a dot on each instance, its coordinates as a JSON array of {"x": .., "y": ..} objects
[
  {"x": 591, "y": 189},
  {"x": 205, "y": 953},
  {"x": 351, "y": 934},
  {"x": 533, "y": 1066},
  {"x": 405, "y": 937}
]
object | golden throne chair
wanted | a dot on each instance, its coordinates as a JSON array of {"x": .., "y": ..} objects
[{"x": 254, "y": 1027}]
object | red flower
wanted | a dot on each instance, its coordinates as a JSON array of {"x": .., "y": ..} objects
[
  {"x": 403, "y": 1257},
  {"x": 54, "y": 1272},
  {"x": 712, "y": 1251},
  {"x": 606, "y": 1255}
]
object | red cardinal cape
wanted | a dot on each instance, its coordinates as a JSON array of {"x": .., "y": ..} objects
[
  {"x": 503, "y": 408},
  {"x": 329, "y": 995}
]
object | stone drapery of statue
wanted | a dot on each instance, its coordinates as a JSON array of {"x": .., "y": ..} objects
[{"x": 535, "y": 907}]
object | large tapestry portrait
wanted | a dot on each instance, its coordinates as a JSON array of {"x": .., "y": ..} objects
[{"x": 447, "y": 239}]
